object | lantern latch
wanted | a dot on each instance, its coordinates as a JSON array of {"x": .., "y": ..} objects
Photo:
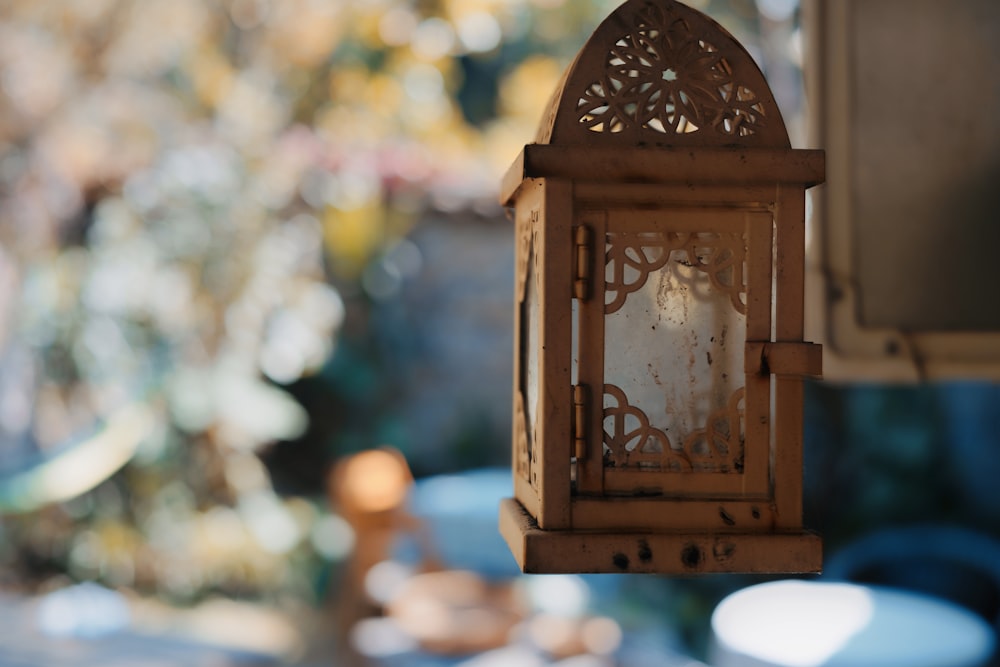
[
  {"x": 582, "y": 242},
  {"x": 581, "y": 396},
  {"x": 784, "y": 358}
]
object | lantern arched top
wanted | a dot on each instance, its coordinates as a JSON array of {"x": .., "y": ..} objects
[{"x": 658, "y": 73}]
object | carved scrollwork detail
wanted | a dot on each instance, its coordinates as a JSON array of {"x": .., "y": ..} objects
[
  {"x": 522, "y": 460},
  {"x": 664, "y": 77},
  {"x": 631, "y": 257},
  {"x": 719, "y": 446},
  {"x": 722, "y": 258},
  {"x": 633, "y": 442},
  {"x": 525, "y": 242}
]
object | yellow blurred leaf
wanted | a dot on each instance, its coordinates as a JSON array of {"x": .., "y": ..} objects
[
  {"x": 526, "y": 91},
  {"x": 211, "y": 74},
  {"x": 353, "y": 235},
  {"x": 305, "y": 32}
]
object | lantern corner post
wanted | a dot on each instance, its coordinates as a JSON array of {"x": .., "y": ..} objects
[
  {"x": 542, "y": 392},
  {"x": 555, "y": 424},
  {"x": 789, "y": 334}
]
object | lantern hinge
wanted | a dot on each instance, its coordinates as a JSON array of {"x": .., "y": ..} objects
[
  {"x": 581, "y": 398},
  {"x": 584, "y": 247}
]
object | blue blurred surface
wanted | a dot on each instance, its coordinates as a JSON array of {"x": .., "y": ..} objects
[{"x": 460, "y": 511}]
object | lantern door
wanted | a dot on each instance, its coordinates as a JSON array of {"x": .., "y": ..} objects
[{"x": 666, "y": 407}]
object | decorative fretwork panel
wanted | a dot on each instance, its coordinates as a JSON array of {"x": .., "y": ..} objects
[
  {"x": 719, "y": 446},
  {"x": 525, "y": 255},
  {"x": 675, "y": 321},
  {"x": 631, "y": 442},
  {"x": 522, "y": 453},
  {"x": 526, "y": 411},
  {"x": 664, "y": 77},
  {"x": 631, "y": 257}
]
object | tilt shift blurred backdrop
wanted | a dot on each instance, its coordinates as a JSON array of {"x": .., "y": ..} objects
[{"x": 245, "y": 244}]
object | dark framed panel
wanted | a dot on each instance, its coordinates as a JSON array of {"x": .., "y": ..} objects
[{"x": 904, "y": 98}]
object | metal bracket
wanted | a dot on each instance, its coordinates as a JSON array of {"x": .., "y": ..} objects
[{"x": 783, "y": 358}]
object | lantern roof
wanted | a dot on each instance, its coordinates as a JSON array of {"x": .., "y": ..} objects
[
  {"x": 662, "y": 93},
  {"x": 658, "y": 73}
]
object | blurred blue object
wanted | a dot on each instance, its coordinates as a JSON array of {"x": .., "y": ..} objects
[
  {"x": 973, "y": 431},
  {"x": 812, "y": 624},
  {"x": 87, "y": 625},
  {"x": 84, "y": 611},
  {"x": 950, "y": 562},
  {"x": 460, "y": 513}
]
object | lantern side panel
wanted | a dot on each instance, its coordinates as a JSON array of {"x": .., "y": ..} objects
[
  {"x": 529, "y": 353},
  {"x": 543, "y": 357},
  {"x": 526, "y": 348}
]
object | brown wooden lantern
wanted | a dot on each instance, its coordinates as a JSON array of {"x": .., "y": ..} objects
[{"x": 658, "y": 322}]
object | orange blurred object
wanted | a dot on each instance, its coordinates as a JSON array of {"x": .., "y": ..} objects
[{"x": 371, "y": 482}]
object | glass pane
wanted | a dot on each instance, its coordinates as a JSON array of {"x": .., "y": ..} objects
[
  {"x": 675, "y": 330},
  {"x": 529, "y": 347}
]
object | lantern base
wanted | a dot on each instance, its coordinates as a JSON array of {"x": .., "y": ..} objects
[{"x": 566, "y": 551}]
